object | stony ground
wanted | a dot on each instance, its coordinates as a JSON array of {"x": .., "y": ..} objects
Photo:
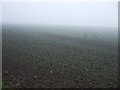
[{"x": 44, "y": 60}]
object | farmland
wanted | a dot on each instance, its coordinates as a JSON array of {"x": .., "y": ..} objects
[{"x": 59, "y": 57}]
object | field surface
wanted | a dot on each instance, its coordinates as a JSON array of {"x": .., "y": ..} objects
[{"x": 59, "y": 57}]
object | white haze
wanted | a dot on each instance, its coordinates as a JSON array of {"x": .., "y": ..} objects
[{"x": 80, "y": 14}]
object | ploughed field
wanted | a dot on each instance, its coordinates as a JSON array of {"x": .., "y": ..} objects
[{"x": 58, "y": 57}]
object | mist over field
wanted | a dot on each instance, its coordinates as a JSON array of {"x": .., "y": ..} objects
[{"x": 59, "y": 45}]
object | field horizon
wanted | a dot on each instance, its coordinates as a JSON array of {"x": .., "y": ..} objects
[{"x": 48, "y": 56}]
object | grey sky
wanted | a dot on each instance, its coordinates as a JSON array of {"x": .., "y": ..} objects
[{"x": 87, "y": 14}]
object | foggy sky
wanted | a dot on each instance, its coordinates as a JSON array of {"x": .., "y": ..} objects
[{"x": 86, "y": 14}]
